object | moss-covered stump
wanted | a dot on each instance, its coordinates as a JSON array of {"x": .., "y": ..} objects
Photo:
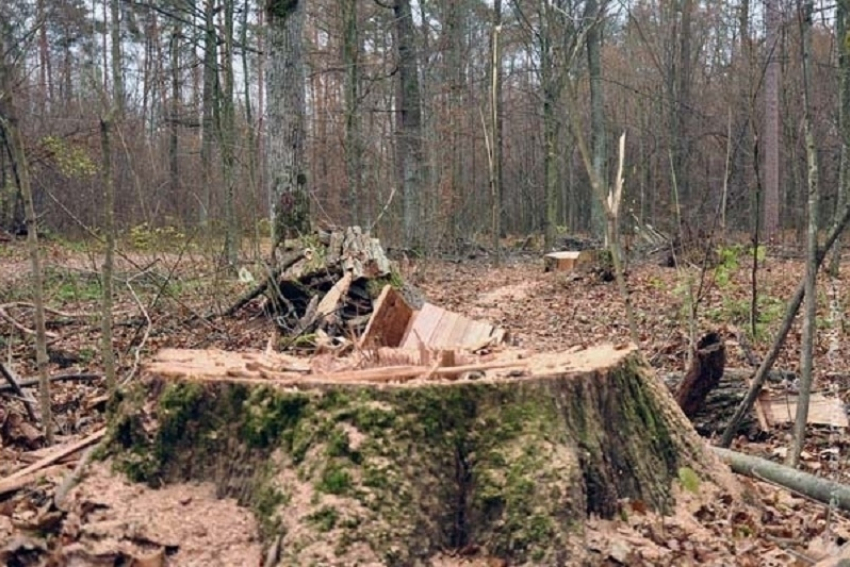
[{"x": 349, "y": 472}]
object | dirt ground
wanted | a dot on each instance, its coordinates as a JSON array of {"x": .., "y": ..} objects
[{"x": 162, "y": 301}]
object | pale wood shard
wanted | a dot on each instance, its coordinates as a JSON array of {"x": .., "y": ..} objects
[
  {"x": 782, "y": 409},
  {"x": 389, "y": 321},
  {"x": 567, "y": 260},
  {"x": 421, "y": 329},
  {"x": 395, "y": 324},
  {"x": 332, "y": 298}
]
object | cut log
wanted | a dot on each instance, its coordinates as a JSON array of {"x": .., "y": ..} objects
[
  {"x": 567, "y": 261},
  {"x": 358, "y": 469}
]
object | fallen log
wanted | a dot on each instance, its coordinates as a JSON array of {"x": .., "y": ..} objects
[
  {"x": 817, "y": 488},
  {"x": 370, "y": 468}
]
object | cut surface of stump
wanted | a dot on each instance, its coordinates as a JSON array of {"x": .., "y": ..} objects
[{"x": 354, "y": 467}]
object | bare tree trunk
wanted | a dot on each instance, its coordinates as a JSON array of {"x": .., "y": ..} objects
[
  {"x": 408, "y": 124},
  {"x": 353, "y": 149},
  {"x": 286, "y": 171},
  {"x": 227, "y": 137},
  {"x": 810, "y": 308},
  {"x": 117, "y": 59},
  {"x": 15, "y": 145},
  {"x": 496, "y": 128},
  {"x": 173, "y": 139},
  {"x": 549, "y": 83},
  {"x": 209, "y": 113},
  {"x": 597, "y": 107},
  {"x": 771, "y": 126},
  {"x": 842, "y": 14},
  {"x": 109, "y": 256}
]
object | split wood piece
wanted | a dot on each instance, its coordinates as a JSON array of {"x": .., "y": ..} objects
[
  {"x": 269, "y": 281},
  {"x": 58, "y": 378},
  {"x": 16, "y": 386},
  {"x": 703, "y": 375},
  {"x": 390, "y": 319},
  {"x": 817, "y": 488},
  {"x": 578, "y": 432},
  {"x": 28, "y": 474},
  {"x": 781, "y": 409},
  {"x": 568, "y": 260},
  {"x": 394, "y": 323}
]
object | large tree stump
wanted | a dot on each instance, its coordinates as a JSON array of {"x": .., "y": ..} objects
[{"x": 355, "y": 467}]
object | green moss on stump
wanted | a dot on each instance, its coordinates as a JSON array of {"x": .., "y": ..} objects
[{"x": 409, "y": 471}]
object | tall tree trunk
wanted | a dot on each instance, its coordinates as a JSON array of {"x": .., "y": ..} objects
[
  {"x": 683, "y": 108},
  {"x": 14, "y": 142},
  {"x": 45, "y": 79},
  {"x": 811, "y": 297},
  {"x": 209, "y": 113},
  {"x": 842, "y": 28},
  {"x": 551, "y": 85},
  {"x": 597, "y": 107},
  {"x": 353, "y": 149},
  {"x": 117, "y": 58},
  {"x": 109, "y": 256},
  {"x": 286, "y": 171},
  {"x": 173, "y": 137},
  {"x": 227, "y": 137},
  {"x": 409, "y": 160},
  {"x": 496, "y": 129},
  {"x": 771, "y": 138}
]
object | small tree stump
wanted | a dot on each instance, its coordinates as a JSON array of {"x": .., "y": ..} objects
[
  {"x": 352, "y": 468},
  {"x": 704, "y": 374}
]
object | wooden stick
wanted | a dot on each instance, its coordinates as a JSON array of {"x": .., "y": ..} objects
[
  {"x": 12, "y": 482},
  {"x": 16, "y": 386},
  {"x": 58, "y": 378}
]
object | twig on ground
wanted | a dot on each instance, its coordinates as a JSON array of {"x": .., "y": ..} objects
[
  {"x": 58, "y": 378},
  {"x": 15, "y": 384},
  {"x": 74, "y": 478},
  {"x": 141, "y": 345},
  {"x": 28, "y": 474}
]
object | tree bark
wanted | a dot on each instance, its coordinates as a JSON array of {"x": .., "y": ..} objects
[
  {"x": 811, "y": 303},
  {"x": 15, "y": 145},
  {"x": 595, "y": 10},
  {"x": 412, "y": 468},
  {"x": 109, "y": 255},
  {"x": 842, "y": 19},
  {"x": 227, "y": 138},
  {"x": 286, "y": 158},
  {"x": 409, "y": 159},
  {"x": 353, "y": 147},
  {"x": 209, "y": 113},
  {"x": 771, "y": 116}
]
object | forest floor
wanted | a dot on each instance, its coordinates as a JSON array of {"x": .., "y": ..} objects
[{"x": 162, "y": 301}]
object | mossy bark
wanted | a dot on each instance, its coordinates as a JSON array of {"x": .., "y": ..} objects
[{"x": 396, "y": 473}]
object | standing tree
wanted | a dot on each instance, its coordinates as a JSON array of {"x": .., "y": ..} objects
[
  {"x": 286, "y": 172},
  {"x": 842, "y": 28},
  {"x": 10, "y": 135},
  {"x": 771, "y": 137},
  {"x": 409, "y": 156},
  {"x": 811, "y": 299}
]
